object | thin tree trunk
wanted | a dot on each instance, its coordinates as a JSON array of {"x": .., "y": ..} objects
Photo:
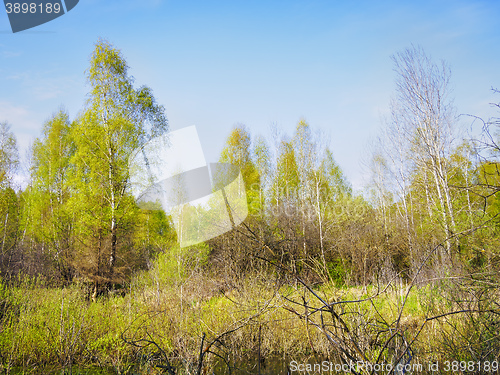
[
  {"x": 98, "y": 267},
  {"x": 112, "y": 257},
  {"x": 5, "y": 231},
  {"x": 442, "y": 204},
  {"x": 320, "y": 225}
]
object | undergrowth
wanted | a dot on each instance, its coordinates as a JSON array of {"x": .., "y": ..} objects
[{"x": 167, "y": 312}]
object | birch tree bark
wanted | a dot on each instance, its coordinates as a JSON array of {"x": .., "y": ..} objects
[{"x": 426, "y": 115}]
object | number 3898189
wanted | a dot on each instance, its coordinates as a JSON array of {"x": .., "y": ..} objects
[{"x": 33, "y": 8}]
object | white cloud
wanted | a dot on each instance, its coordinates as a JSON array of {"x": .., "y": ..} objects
[
  {"x": 24, "y": 124},
  {"x": 50, "y": 88},
  {"x": 26, "y": 127},
  {"x": 18, "y": 76},
  {"x": 10, "y": 54},
  {"x": 45, "y": 85},
  {"x": 18, "y": 116}
]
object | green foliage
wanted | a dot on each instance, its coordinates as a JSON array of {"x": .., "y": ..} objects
[
  {"x": 9, "y": 220},
  {"x": 337, "y": 272},
  {"x": 153, "y": 232},
  {"x": 286, "y": 181},
  {"x": 46, "y": 217},
  {"x": 117, "y": 120},
  {"x": 77, "y": 207},
  {"x": 9, "y": 203},
  {"x": 338, "y": 186},
  {"x": 9, "y": 158},
  {"x": 237, "y": 151},
  {"x": 78, "y": 214}
]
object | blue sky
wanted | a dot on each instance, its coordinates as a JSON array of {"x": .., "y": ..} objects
[{"x": 218, "y": 63}]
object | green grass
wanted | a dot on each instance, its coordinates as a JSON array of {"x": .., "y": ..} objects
[{"x": 174, "y": 304}]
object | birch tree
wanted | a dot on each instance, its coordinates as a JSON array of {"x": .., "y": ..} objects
[
  {"x": 9, "y": 205},
  {"x": 262, "y": 157},
  {"x": 237, "y": 151},
  {"x": 47, "y": 218},
  {"x": 9, "y": 157},
  {"x": 117, "y": 119},
  {"x": 425, "y": 114}
]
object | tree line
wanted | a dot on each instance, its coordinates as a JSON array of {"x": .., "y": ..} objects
[
  {"x": 75, "y": 217},
  {"x": 429, "y": 185}
]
